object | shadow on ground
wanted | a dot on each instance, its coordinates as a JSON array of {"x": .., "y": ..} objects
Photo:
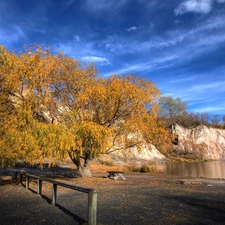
[{"x": 201, "y": 209}]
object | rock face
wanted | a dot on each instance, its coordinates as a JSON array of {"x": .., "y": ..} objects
[
  {"x": 147, "y": 152},
  {"x": 204, "y": 142}
]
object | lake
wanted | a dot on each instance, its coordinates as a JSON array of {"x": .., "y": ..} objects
[{"x": 211, "y": 169}]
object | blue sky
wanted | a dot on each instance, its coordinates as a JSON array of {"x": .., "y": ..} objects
[{"x": 178, "y": 44}]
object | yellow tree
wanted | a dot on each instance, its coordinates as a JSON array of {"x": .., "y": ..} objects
[
  {"x": 53, "y": 106},
  {"x": 38, "y": 92},
  {"x": 25, "y": 92},
  {"x": 129, "y": 106}
]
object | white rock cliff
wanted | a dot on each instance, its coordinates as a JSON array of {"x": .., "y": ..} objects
[
  {"x": 147, "y": 152},
  {"x": 205, "y": 142}
]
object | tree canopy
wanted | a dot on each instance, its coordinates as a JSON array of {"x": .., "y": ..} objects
[
  {"x": 174, "y": 110},
  {"x": 52, "y": 106}
]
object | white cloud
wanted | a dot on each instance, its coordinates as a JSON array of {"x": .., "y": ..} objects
[
  {"x": 95, "y": 59},
  {"x": 196, "y": 6},
  {"x": 132, "y": 29}
]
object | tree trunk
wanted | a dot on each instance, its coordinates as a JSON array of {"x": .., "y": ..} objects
[
  {"x": 85, "y": 171},
  {"x": 83, "y": 163}
]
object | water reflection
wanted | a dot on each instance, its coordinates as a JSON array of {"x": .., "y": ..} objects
[{"x": 212, "y": 169}]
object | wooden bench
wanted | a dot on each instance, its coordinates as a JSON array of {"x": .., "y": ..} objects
[{"x": 115, "y": 175}]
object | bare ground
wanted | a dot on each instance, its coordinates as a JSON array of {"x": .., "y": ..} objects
[{"x": 140, "y": 199}]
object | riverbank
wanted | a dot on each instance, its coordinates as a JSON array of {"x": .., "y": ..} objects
[{"x": 140, "y": 199}]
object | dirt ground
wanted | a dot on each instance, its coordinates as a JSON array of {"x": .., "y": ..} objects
[{"x": 140, "y": 199}]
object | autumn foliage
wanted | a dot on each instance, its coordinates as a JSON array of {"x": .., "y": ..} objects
[{"x": 52, "y": 106}]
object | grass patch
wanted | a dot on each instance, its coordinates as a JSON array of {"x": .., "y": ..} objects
[
  {"x": 145, "y": 169},
  {"x": 107, "y": 163}
]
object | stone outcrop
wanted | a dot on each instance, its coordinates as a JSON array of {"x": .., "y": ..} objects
[
  {"x": 147, "y": 152},
  {"x": 204, "y": 142}
]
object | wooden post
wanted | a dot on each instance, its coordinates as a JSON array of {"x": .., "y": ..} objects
[
  {"x": 27, "y": 182},
  {"x": 21, "y": 178},
  {"x": 92, "y": 207},
  {"x": 92, "y": 194},
  {"x": 39, "y": 190},
  {"x": 54, "y": 193},
  {"x": 16, "y": 175}
]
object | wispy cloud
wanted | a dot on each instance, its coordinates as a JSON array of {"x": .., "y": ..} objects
[
  {"x": 75, "y": 47},
  {"x": 199, "y": 102},
  {"x": 132, "y": 29},
  {"x": 81, "y": 49},
  {"x": 157, "y": 63},
  {"x": 210, "y": 109},
  {"x": 68, "y": 3},
  {"x": 217, "y": 86},
  {"x": 95, "y": 59},
  {"x": 12, "y": 35},
  {"x": 200, "y": 35},
  {"x": 205, "y": 36},
  {"x": 198, "y": 90},
  {"x": 178, "y": 46},
  {"x": 177, "y": 51},
  {"x": 102, "y": 6}
]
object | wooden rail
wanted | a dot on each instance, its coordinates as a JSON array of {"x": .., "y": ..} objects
[{"x": 92, "y": 194}]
